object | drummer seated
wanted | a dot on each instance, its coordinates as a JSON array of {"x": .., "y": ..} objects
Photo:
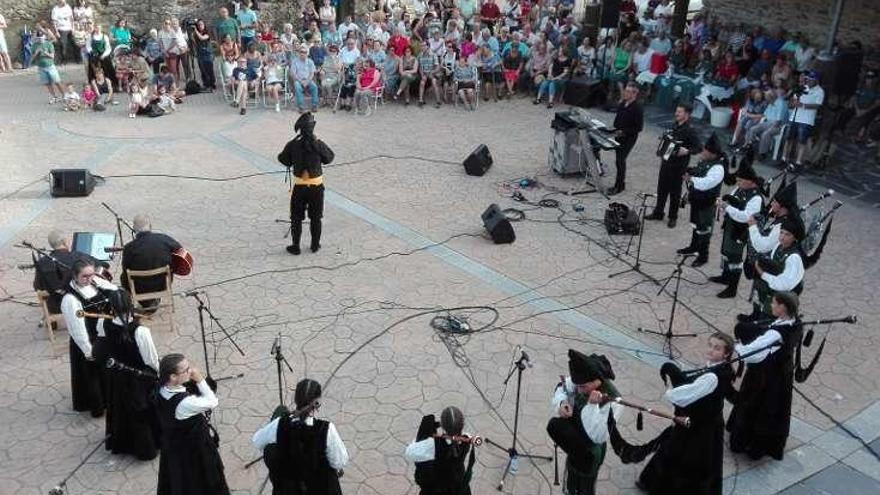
[
  {"x": 52, "y": 276},
  {"x": 149, "y": 250}
]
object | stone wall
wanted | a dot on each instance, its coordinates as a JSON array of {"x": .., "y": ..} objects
[{"x": 812, "y": 17}]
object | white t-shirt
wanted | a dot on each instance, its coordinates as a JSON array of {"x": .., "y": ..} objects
[
  {"x": 815, "y": 96},
  {"x": 62, "y": 17}
]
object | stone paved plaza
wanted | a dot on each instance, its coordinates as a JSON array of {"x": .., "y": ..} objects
[{"x": 403, "y": 240}]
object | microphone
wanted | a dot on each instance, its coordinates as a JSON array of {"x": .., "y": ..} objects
[
  {"x": 525, "y": 357},
  {"x": 851, "y": 319},
  {"x": 113, "y": 364},
  {"x": 688, "y": 255},
  {"x": 647, "y": 195},
  {"x": 57, "y": 490},
  {"x": 26, "y": 267},
  {"x": 189, "y": 293},
  {"x": 112, "y": 249}
]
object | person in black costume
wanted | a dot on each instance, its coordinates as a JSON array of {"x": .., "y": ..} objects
[
  {"x": 440, "y": 462},
  {"x": 305, "y": 455},
  {"x": 628, "y": 123},
  {"x": 673, "y": 169},
  {"x": 759, "y": 422},
  {"x": 132, "y": 426},
  {"x": 304, "y": 156},
  {"x": 147, "y": 251},
  {"x": 704, "y": 184},
  {"x": 688, "y": 459},
  {"x": 581, "y": 428},
  {"x": 190, "y": 461},
  {"x": 89, "y": 293},
  {"x": 53, "y": 276}
]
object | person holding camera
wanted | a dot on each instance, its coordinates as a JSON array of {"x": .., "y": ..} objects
[{"x": 805, "y": 103}]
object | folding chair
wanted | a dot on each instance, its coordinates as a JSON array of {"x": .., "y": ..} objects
[
  {"x": 282, "y": 96},
  {"x": 477, "y": 83},
  {"x": 166, "y": 294},
  {"x": 228, "y": 93},
  {"x": 52, "y": 321}
]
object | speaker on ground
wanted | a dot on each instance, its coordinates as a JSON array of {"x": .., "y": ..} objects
[
  {"x": 71, "y": 182},
  {"x": 479, "y": 161},
  {"x": 498, "y": 225}
]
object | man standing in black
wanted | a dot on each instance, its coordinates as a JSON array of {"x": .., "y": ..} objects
[
  {"x": 628, "y": 123},
  {"x": 672, "y": 169},
  {"x": 305, "y": 154}
]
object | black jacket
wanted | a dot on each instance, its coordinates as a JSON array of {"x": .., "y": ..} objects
[
  {"x": 629, "y": 119},
  {"x": 147, "y": 251},
  {"x": 306, "y": 155}
]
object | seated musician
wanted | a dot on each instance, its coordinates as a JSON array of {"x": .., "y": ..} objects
[
  {"x": 53, "y": 276},
  {"x": 149, "y": 250},
  {"x": 304, "y": 454},
  {"x": 439, "y": 459}
]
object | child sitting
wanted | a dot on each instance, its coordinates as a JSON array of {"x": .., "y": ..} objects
[
  {"x": 137, "y": 96},
  {"x": 88, "y": 95},
  {"x": 72, "y": 101},
  {"x": 166, "y": 101}
]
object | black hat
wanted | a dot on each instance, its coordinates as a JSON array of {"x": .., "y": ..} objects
[
  {"x": 794, "y": 226},
  {"x": 584, "y": 369},
  {"x": 713, "y": 145},
  {"x": 747, "y": 172},
  {"x": 786, "y": 196},
  {"x": 306, "y": 121}
]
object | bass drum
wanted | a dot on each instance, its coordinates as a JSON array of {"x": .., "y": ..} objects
[{"x": 181, "y": 262}]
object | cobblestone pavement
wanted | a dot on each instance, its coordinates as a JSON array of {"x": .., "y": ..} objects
[{"x": 356, "y": 313}]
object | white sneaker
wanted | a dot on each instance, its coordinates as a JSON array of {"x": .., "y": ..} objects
[{"x": 277, "y": 107}]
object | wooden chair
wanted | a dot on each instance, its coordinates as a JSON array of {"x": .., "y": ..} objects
[
  {"x": 51, "y": 321},
  {"x": 166, "y": 294}
]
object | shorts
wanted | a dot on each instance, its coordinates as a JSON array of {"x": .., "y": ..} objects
[
  {"x": 49, "y": 75},
  {"x": 489, "y": 76},
  {"x": 274, "y": 83},
  {"x": 3, "y": 47},
  {"x": 801, "y": 132},
  {"x": 511, "y": 75},
  {"x": 467, "y": 85}
]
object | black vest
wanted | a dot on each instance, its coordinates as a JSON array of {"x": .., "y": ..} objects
[
  {"x": 447, "y": 473},
  {"x": 743, "y": 196},
  {"x": 704, "y": 199},
  {"x": 709, "y": 408},
  {"x": 775, "y": 264},
  {"x": 302, "y": 467},
  {"x": 96, "y": 304}
]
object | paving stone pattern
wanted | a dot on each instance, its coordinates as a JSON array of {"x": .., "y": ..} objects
[{"x": 342, "y": 313}]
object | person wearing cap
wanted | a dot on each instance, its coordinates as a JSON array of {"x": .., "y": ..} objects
[
  {"x": 761, "y": 417},
  {"x": 304, "y": 156},
  {"x": 704, "y": 184},
  {"x": 580, "y": 427},
  {"x": 780, "y": 271},
  {"x": 740, "y": 204},
  {"x": 764, "y": 230},
  {"x": 804, "y": 109},
  {"x": 443, "y": 466},
  {"x": 672, "y": 170}
]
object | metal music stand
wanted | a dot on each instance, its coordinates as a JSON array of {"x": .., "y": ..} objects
[{"x": 668, "y": 335}]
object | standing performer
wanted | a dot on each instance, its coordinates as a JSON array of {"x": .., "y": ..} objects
[
  {"x": 440, "y": 462},
  {"x": 781, "y": 270},
  {"x": 54, "y": 276},
  {"x": 684, "y": 141},
  {"x": 86, "y": 292},
  {"x": 759, "y": 422},
  {"x": 305, "y": 455},
  {"x": 305, "y": 154},
  {"x": 147, "y": 251},
  {"x": 764, "y": 230},
  {"x": 739, "y": 205},
  {"x": 704, "y": 183},
  {"x": 581, "y": 428},
  {"x": 689, "y": 459},
  {"x": 190, "y": 462},
  {"x": 628, "y": 123},
  {"x": 131, "y": 416}
]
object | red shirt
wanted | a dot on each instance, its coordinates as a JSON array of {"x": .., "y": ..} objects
[
  {"x": 727, "y": 72},
  {"x": 398, "y": 44},
  {"x": 628, "y": 6},
  {"x": 489, "y": 12},
  {"x": 267, "y": 37}
]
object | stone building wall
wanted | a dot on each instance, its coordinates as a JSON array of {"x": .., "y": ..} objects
[{"x": 812, "y": 17}]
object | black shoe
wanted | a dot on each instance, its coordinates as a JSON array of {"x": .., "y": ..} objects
[
  {"x": 97, "y": 413},
  {"x": 293, "y": 249},
  {"x": 614, "y": 191},
  {"x": 700, "y": 261},
  {"x": 654, "y": 216},
  {"x": 671, "y": 223},
  {"x": 719, "y": 279},
  {"x": 688, "y": 250},
  {"x": 729, "y": 292},
  {"x": 315, "y": 248}
]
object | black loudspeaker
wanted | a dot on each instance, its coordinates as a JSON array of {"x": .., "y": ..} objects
[
  {"x": 71, "y": 182},
  {"x": 479, "y": 161},
  {"x": 610, "y": 13},
  {"x": 585, "y": 93},
  {"x": 621, "y": 220},
  {"x": 498, "y": 225}
]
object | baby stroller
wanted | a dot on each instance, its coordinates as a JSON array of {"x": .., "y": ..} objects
[
  {"x": 348, "y": 85},
  {"x": 26, "y": 47}
]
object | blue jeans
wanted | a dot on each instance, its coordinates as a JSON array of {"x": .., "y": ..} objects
[
  {"x": 549, "y": 87},
  {"x": 298, "y": 91}
]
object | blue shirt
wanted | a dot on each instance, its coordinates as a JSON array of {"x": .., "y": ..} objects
[
  {"x": 300, "y": 69},
  {"x": 247, "y": 18},
  {"x": 242, "y": 74},
  {"x": 317, "y": 54},
  {"x": 777, "y": 111}
]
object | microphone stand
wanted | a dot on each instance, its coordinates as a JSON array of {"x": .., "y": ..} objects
[
  {"x": 119, "y": 223},
  {"x": 636, "y": 267},
  {"x": 669, "y": 335},
  {"x": 279, "y": 358},
  {"x": 513, "y": 455},
  {"x": 59, "y": 489},
  {"x": 203, "y": 309}
]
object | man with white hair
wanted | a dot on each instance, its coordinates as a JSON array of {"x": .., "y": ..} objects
[
  {"x": 53, "y": 271},
  {"x": 149, "y": 250}
]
